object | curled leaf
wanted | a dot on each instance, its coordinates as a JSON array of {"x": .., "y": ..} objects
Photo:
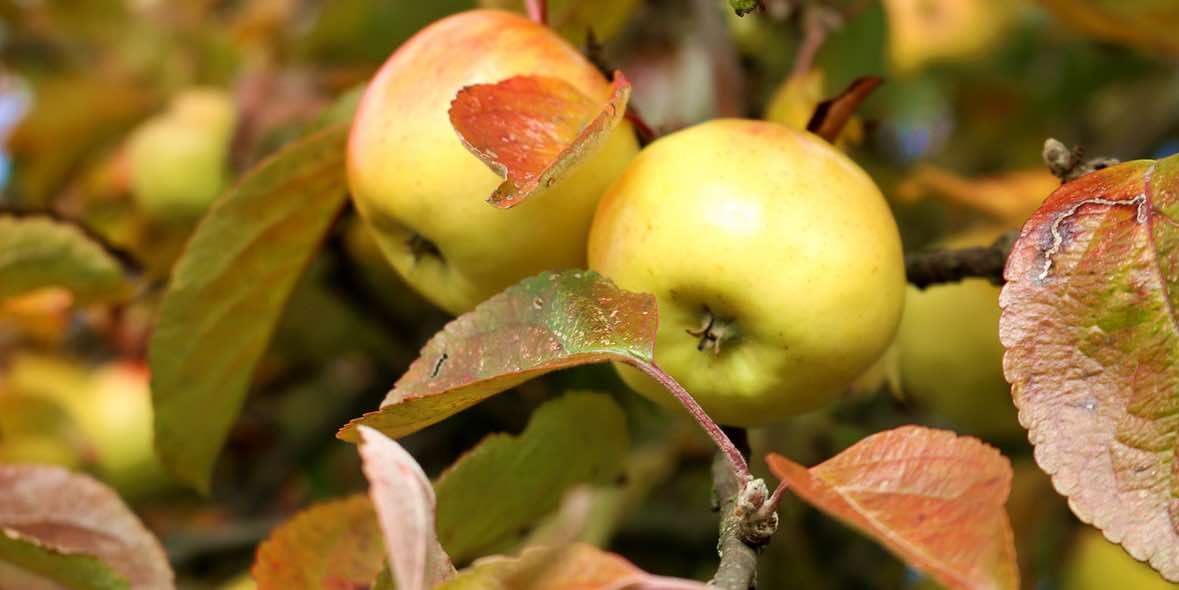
[
  {"x": 533, "y": 129},
  {"x": 933, "y": 498},
  {"x": 227, "y": 293},
  {"x": 832, "y": 115},
  {"x": 71, "y": 529},
  {"x": 404, "y": 501},
  {"x": 330, "y": 545},
  {"x": 547, "y": 322},
  {"x": 1091, "y": 335},
  {"x": 576, "y": 567},
  {"x": 39, "y": 252},
  {"x": 578, "y": 438}
]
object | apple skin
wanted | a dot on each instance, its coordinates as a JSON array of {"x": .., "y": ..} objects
[
  {"x": 951, "y": 360},
  {"x": 179, "y": 159},
  {"x": 772, "y": 229},
  {"x": 412, "y": 178}
]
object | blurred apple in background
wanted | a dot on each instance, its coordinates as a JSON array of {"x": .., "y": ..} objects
[
  {"x": 102, "y": 414},
  {"x": 951, "y": 361},
  {"x": 1097, "y": 564},
  {"x": 179, "y": 159},
  {"x": 928, "y": 31}
]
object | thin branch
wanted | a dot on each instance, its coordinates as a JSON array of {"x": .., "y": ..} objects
[
  {"x": 734, "y": 457},
  {"x": 595, "y": 52},
  {"x": 818, "y": 21},
  {"x": 950, "y": 266},
  {"x": 747, "y": 523}
]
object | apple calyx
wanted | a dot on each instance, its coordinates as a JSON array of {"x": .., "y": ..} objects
[
  {"x": 713, "y": 332},
  {"x": 420, "y": 246}
]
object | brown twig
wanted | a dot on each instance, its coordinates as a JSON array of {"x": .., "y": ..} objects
[
  {"x": 1069, "y": 165},
  {"x": 952, "y": 265}
]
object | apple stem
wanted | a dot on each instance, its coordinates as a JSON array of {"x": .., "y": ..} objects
[
  {"x": 775, "y": 498},
  {"x": 723, "y": 442},
  {"x": 538, "y": 11}
]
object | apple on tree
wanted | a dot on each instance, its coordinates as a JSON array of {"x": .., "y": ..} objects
[
  {"x": 950, "y": 357},
  {"x": 179, "y": 159},
  {"x": 774, "y": 258},
  {"x": 423, "y": 193}
]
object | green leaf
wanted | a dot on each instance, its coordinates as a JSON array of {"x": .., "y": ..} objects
[
  {"x": 37, "y": 252},
  {"x": 332, "y": 544},
  {"x": 77, "y": 572},
  {"x": 744, "y": 7},
  {"x": 541, "y": 324},
  {"x": 579, "y": 438},
  {"x": 228, "y": 291}
]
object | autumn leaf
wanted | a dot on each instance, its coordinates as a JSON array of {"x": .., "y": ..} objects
[
  {"x": 1149, "y": 24},
  {"x": 404, "y": 500},
  {"x": 1009, "y": 197},
  {"x": 575, "y": 567},
  {"x": 578, "y": 438},
  {"x": 73, "y": 530},
  {"x": 334, "y": 544},
  {"x": 532, "y": 130},
  {"x": 832, "y": 115},
  {"x": 227, "y": 293},
  {"x": 1093, "y": 351},
  {"x": 551, "y": 321},
  {"x": 39, "y": 252},
  {"x": 933, "y": 498}
]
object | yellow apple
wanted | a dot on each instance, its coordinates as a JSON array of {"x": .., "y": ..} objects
[
  {"x": 1097, "y": 564},
  {"x": 423, "y": 193},
  {"x": 774, "y": 258},
  {"x": 179, "y": 159},
  {"x": 951, "y": 360},
  {"x": 104, "y": 412}
]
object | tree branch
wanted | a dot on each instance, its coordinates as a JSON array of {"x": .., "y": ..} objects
[
  {"x": 935, "y": 267},
  {"x": 748, "y": 520}
]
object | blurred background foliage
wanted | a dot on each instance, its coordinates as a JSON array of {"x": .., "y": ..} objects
[{"x": 128, "y": 117}]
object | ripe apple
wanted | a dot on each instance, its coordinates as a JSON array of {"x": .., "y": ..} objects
[
  {"x": 774, "y": 258},
  {"x": 1097, "y": 564},
  {"x": 179, "y": 159},
  {"x": 950, "y": 357},
  {"x": 423, "y": 193},
  {"x": 106, "y": 410}
]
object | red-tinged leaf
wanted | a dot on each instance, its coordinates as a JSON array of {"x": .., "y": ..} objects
[
  {"x": 531, "y": 130},
  {"x": 330, "y": 545},
  {"x": 51, "y": 518},
  {"x": 833, "y": 114},
  {"x": 227, "y": 294},
  {"x": 1092, "y": 345},
  {"x": 541, "y": 324},
  {"x": 575, "y": 567},
  {"x": 404, "y": 500},
  {"x": 933, "y": 498}
]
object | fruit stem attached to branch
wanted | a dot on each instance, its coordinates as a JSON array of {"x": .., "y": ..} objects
[
  {"x": 734, "y": 457},
  {"x": 747, "y": 523}
]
